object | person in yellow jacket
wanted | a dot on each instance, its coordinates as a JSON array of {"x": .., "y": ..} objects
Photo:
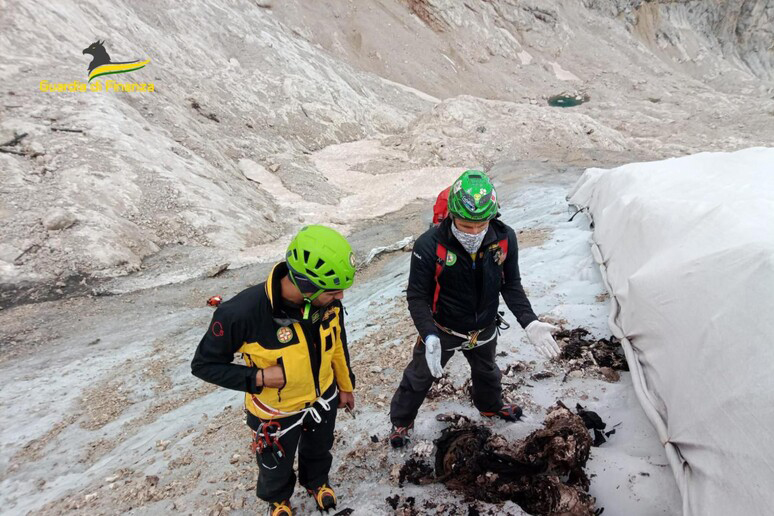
[{"x": 290, "y": 332}]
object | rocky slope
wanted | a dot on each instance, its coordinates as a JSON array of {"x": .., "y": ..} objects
[{"x": 212, "y": 164}]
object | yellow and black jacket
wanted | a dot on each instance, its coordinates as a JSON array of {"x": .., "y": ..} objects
[{"x": 256, "y": 324}]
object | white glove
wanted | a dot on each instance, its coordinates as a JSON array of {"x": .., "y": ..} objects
[
  {"x": 539, "y": 335},
  {"x": 433, "y": 355}
]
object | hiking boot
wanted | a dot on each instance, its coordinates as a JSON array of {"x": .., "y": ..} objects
[
  {"x": 280, "y": 508},
  {"x": 324, "y": 497},
  {"x": 399, "y": 435},
  {"x": 509, "y": 412}
]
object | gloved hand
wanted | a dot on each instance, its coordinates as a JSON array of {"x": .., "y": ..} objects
[
  {"x": 539, "y": 335},
  {"x": 433, "y": 355}
]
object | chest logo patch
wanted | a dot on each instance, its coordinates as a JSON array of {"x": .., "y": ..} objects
[
  {"x": 499, "y": 255},
  {"x": 451, "y": 258},
  {"x": 284, "y": 334}
]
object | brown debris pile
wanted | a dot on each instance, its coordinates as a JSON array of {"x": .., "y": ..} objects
[
  {"x": 543, "y": 473},
  {"x": 402, "y": 509},
  {"x": 602, "y": 357},
  {"x": 444, "y": 389},
  {"x": 415, "y": 471}
]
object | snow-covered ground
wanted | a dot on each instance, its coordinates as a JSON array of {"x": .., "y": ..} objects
[{"x": 115, "y": 414}]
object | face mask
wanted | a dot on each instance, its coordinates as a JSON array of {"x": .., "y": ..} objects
[{"x": 471, "y": 242}]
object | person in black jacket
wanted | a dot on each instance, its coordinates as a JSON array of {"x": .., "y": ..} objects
[
  {"x": 458, "y": 271},
  {"x": 290, "y": 332}
]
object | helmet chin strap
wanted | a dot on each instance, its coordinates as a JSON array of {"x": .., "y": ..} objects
[
  {"x": 307, "y": 298},
  {"x": 308, "y": 302}
]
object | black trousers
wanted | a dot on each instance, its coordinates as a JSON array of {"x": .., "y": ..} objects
[
  {"x": 313, "y": 442},
  {"x": 417, "y": 380}
]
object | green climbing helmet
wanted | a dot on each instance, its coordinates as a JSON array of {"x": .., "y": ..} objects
[
  {"x": 473, "y": 197},
  {"x": 320, "y": 259}
]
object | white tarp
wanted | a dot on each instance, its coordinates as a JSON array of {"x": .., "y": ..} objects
[{"x": 686, "y": 247}]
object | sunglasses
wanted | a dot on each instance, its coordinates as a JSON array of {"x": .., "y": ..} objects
[{"x": 306, "y": 286}]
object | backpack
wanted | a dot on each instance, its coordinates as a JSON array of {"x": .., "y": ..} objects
[{"x": 440, "y": 208}]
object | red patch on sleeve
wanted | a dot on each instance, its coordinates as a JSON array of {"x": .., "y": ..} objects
[{"x": 217, "y": 329}]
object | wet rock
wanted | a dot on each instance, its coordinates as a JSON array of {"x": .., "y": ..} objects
[{"x": 217, "y": 270}]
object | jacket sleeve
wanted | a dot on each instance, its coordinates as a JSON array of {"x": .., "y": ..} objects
[
  {"x": 512, "y": 291},
  {"x": 213, "y": 359},
  {"x": 421, "y": 287},
  {"x": 342, "y": 369}
]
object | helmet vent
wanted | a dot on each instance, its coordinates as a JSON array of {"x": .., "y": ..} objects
[
  {"x": 306, "y": 256},
  {"x": 319, "y": 263}
]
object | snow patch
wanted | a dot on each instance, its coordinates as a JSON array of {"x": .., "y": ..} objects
[{"x": 561, "y": 73}]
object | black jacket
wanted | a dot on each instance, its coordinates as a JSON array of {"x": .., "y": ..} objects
[
  {"x": 469, "y": 296},
  {"x": 313, "y": 354}
]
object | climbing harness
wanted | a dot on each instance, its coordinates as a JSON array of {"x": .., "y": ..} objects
[
  {"x": 266, "y": 439},
  {"x": 470, "y": 340},
  {"x": 266, "y": 444}
]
